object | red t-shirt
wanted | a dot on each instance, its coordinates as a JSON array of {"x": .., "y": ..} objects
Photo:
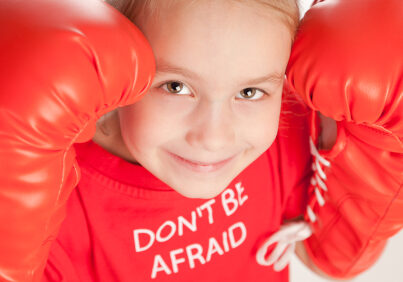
[{"x": 123, "y": 224}]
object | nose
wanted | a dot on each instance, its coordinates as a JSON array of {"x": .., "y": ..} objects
[{"x": 213, "y": 126}]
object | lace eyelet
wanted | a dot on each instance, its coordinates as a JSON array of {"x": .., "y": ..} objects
[{"x": 318, "y": 185}]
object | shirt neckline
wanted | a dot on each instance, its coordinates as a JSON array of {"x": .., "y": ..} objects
[{"x": 117, "y": 168}]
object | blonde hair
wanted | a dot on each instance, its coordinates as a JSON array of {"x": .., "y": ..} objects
[{"x": 288, "y": 9}]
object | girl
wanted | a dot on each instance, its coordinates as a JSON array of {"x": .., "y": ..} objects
[{"x": 185, "y": 184}]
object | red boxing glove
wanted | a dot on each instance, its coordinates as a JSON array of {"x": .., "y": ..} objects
[
  {"x": 63, "y": 64},
  {"x": 347, "y": 63}
]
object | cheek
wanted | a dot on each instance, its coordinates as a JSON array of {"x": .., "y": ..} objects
[
  {"x": 261, "y": 127},
  {"x": 138, "y": 126},
  {"x": 266, "y": 131},
  {"x": 152, "y": 121}
]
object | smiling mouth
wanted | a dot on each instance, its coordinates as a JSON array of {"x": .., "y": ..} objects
[{"x": 203, "y": 167}]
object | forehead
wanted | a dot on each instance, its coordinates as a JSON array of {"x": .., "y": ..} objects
[{"x": 216, "y": 37}]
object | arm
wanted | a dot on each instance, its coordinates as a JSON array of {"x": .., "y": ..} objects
[
  {"x": 64, "y": 64},
  {"x": 347, "y": 65},
  {"x": 343, "y": 69},
  {"x": 303, "y": 256}
]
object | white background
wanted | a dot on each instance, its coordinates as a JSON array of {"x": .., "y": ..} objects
[{"x": 389, "y": 267}]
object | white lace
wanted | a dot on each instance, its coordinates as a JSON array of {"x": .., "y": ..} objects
[
  {"x": 291, "y": 233},
  {"x": 317, "y": 179},
  {"x": 286, "y": 239}
]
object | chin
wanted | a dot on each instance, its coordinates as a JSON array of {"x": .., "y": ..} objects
[{"x": 201, "y": 191}]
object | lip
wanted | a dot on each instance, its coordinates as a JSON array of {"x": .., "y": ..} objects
[{"x": 201, "y": 167}]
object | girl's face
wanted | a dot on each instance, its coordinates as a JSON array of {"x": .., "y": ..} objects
[{"x": 214, "y": 105}]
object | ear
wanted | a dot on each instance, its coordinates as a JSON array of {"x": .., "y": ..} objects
[{"x": 108, "y": 124}]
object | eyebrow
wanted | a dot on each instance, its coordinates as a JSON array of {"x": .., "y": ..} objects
[
  {"x": 273, "y": 77},
  {"x": 165, "y": 67}
]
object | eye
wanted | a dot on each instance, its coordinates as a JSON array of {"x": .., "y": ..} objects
[
  {"x": 250, "y": 94},
  {"x": 176, "y": 87}
]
